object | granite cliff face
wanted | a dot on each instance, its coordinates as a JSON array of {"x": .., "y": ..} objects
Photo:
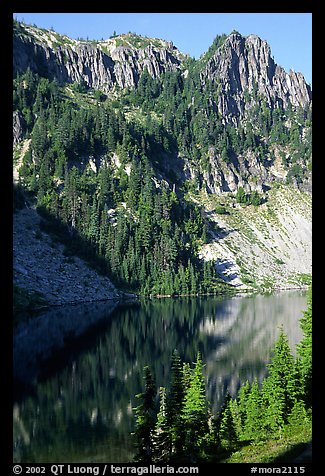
[
  {"x": 102, "y": 65},
  {"x": 17, "y": 126},
  {"x": 245, "y": 64},
  {"x": 240, "y": 64}
]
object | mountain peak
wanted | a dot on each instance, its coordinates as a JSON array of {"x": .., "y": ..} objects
[
  {"x": 237, "y": 63},
  {"x": 245, "y": 64}
]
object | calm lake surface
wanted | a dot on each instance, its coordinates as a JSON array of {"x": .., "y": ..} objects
[{"x": 75, "y": 404}]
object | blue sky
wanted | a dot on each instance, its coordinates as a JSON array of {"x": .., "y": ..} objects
[{"x": 288, "y": 34}]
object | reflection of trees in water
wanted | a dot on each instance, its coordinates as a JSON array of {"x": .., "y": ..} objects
[
  {"x": 85, "y": 409},
  {"x": 248, "y": 337}
]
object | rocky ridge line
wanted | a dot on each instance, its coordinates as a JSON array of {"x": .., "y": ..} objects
[
  {"x": 239, "y": 64},
  {"x": 102, "y": 65}
]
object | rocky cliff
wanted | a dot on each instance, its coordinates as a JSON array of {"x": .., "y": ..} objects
[
  {"x": 245, "y": 64},
  {"x": 103, "y": 65},
  {"x": 240, "y": 64},
  {"x": 269, "y": 245},
  {"x": 18, "y": 124}
]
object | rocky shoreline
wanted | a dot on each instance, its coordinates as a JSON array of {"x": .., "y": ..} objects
[{"x": 76, "y": 298}]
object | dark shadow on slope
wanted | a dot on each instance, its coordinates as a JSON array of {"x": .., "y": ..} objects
[
  {"x": 299, "y": 453},
  {"x": 77, "y": 245},
  {"x": 224, "y": 269}
]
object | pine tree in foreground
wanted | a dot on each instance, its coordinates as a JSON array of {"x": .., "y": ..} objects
[
  {"x": 304, "y": 349},
  {"x": 195, "y": 412},
  {"x": 254, "y": 422},
  {"x": 175, "y": 404},
  {"x": 227, "y": 428},
  {"x": 280, "y": 389},
  {"x": 146, "y": 414},
  {"x": 162, "y": 441},
  {"x": 242, "y": 405}
]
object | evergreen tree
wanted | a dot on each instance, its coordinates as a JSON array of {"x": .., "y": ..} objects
[
  {"x": 242, "y": 403},
  {"x": 241, "y": 195},
  {"x": 254, "y": 422},
  {"x": 39, "y": 138},
  {"x": 280, "y": 387},
  {"x": 195, "y": 412},
  {"x": 298, "y": 419},
  {"x": 227, "y": 430},
  {"x": 146, "y": 416},
  {"x": 162, "y": 436},
  {"x": 175, "y": 403},
  {"x": 236, "y": 432},
  {"x": 304, "y": 349},
  {"x": 186, "y": 378},
  {"x": 93, "y": 229}
]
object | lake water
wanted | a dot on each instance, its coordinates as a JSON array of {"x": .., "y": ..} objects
[{"x": 73, "y": 403}]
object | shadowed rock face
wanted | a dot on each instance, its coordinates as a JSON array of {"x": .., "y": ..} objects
[{"x": 39, "y": 265}]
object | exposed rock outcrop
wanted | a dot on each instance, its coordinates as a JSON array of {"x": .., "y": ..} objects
[
  {"x": 247, "y": 170},
  {"x": 245, "y": 64},
  {"x": 18, "y": 125},
  {"x": 103, "y": 65},
  {"x": 240, "y": 64}
]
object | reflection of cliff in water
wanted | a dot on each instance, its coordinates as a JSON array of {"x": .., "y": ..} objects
[
  {"x": 38, "y": 338},
  {"x": 83, "y": 411},
  {"x": 247, "y": 334}
]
